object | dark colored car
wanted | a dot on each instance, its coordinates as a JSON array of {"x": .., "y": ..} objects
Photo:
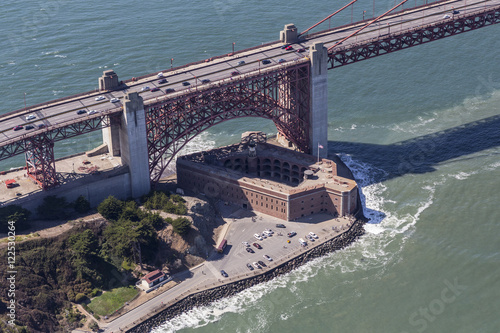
[
  {"x": 285, "y": 46},
  {"x": 162, "y": 81},
  {"x": 249, "y": 250},
  {"x": 291, "y": 234},
  {"x": 17, "y": 128},
  {"x": 223, "y": 273},
  {"x": 185, "y": 83},
  {"x": 260, "y": 262},
  {"x": 301, "y": 50},
  {"x": 233, "y": 73},
  {"x": 250, "y": 267},
  {"x": 257, "y": 245},
  {"x": 266, "y": 61},
  {"x": 279, "y": 225},
  {"x": 205, "y": 80},
  {"x": 169, "y": 90},
  {"x": 81, "y": 112},
  {"x": 281, "y": 61},
  {"x": 29, "y": 127},
  {"x": 155, "y": 89},
  {"x": 456, "y": 12},
  {"x": 41, "y": 126}
]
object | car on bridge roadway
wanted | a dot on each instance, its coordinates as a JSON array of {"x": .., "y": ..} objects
[
  {"x": 155, "y": 89},
  {"x": 289, "y": 47},
  {"x": 100, "y": 98},
  {"x": 17, "y": 128},
  {"x": 241, "y": 62},
  {"x": 162, "y": 81},
  {"x": 41, "y": 126},
  {"x": 114, "y": 100},
  {"x": 281, "y": 61},
  {"x": 186, "y": 83},
  {"x": 456, "y": 12},
  {"x": 266, "y": 61},
  {"x": 169, "y": 90},
  {"x": 91, "y": 112},
  {"x": 205, "y": 80},
  {"x": 81, "y": 112},
  {"x": 146, "y": 88},
  {"x": 233, "y": 73},
  {"x": 29, "y": 127},
  {"x": 30, "y": 117},
  {"x": 301, "y": 50}
]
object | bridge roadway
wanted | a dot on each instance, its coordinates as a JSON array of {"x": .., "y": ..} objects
[{"x": 62, "y": 112}]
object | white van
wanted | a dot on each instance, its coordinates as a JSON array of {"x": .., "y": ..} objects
[{"x": 302, "y": 242}]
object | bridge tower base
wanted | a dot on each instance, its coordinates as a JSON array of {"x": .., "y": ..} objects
[
  {"x": 318, "y": 116},
  {"x": 289, "y": 34}
]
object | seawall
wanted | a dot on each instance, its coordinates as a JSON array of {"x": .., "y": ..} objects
[{"x": 208, "y": 296}]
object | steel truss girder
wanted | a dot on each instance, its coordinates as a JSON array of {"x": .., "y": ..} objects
[
  {"x": 57, "y": 132},
  {"x": 281, "y": 95},
  {"x": 40, "y": 163},
  {"x": 402, "y": 40}
]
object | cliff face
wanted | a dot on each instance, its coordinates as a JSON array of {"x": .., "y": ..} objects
[{"x": 181, "y": 252}]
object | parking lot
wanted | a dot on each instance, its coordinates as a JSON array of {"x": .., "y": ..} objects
[{"x": 279, "y": 246}]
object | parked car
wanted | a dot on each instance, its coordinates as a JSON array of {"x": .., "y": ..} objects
[
  {"x": 257, "y": 245},
  {"x": 100, "y": 98},
  {"x": 17, "y": 128},
  {"x": 114, "y": 100},
  {"x": 280, "y": 225},
  {"x": 81, "y": 112},
  {"x": 256, "y": 265},
  {"x": 291, "y": 233},
  {"x": 30, "y": 117},
  {"x": 312, "y": 234},
  {"x": 268, "y": 258},
  {"x": 309, "y": 237},
  {"x": 250, "y": 267},
  {"x": 258, "y": 237},
  {"x": 162, "y": 81},
  {"x": 246, "y": 244},
  {"x": 249, "y": 250},
  {"x": 302, "y": 242},
  {"x": 223, "y": 273}
]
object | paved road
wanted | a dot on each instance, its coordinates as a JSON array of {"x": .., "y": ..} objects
[
  {"x": 235, "y": 258},
  {"x": 222, "y": 68}
]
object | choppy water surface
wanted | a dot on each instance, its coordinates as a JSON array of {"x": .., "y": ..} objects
[{"x": 419, "y": 128}]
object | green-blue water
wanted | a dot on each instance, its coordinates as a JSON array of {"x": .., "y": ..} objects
[{"x": 420, "y": 128}]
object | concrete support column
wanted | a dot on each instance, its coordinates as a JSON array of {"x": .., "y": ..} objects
[
  {"x": 108, "y": 80},
  {"x": 318, "y": 118},
  {"x": 111, "y": 136},
  {"x": 289, "y": 34},
  {"x": 133, "y": 144}
]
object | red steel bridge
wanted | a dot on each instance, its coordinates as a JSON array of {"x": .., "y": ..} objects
[{"x": 284, "y": 81}]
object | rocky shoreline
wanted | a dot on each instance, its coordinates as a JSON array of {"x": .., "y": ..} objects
[{"x": 208, "y": 296}]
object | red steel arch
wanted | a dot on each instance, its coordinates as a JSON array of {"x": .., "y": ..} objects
[{"x": 280, "y": 94}]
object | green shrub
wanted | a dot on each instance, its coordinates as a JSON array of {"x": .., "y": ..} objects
[
  {"x": 111, "y": 208},
  {"x": 53, "y": 208},
  {"x": 16, "y": 214},
  {"x": 81, "y": 205},
  {"x": 181, "y": 225},
  {"x": 79, "y": 298}
]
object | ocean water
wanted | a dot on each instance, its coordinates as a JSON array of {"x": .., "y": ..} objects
[{"x": 420, "y": 129}]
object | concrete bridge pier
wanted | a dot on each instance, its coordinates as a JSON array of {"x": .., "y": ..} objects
[{"x": 318, "y": 116}]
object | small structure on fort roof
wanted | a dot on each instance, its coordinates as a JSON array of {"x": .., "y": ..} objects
[{"x": 269, "y": 179}]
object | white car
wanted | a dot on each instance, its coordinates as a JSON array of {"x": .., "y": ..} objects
[
  {"x": 446, "y": 16},
  {"x": 267, "y": 257},
  {"x": 145, "y": 88},
  {"x": 91, "y": 112},
  {"x": 30, "y": 117},
  {"x": 256, "y": 265},
  {"x": 114, "y": 100},
  {"x": 100, "y": 98},
  {"x": 246, "y": 244},
  {"x": 159, "y": 74},
  {"x": 312, "y": 234},
  {"x": 258, "y": 237}
]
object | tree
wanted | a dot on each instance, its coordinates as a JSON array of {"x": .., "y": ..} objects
[
  {"x": 111, "y": 208},
  {"x": 53, "y": 208},
  {"x": 81, "y": 205},
  {"x": 155, "y": 220},
  {"x": 94, "y": 326},
  {"x": 14, "y": 213},
  {"x": 181, "y": 225},
  {"x": 84, "y": 244}
]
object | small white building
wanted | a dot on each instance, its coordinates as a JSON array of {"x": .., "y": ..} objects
[{"x": 151, "y": 279}]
